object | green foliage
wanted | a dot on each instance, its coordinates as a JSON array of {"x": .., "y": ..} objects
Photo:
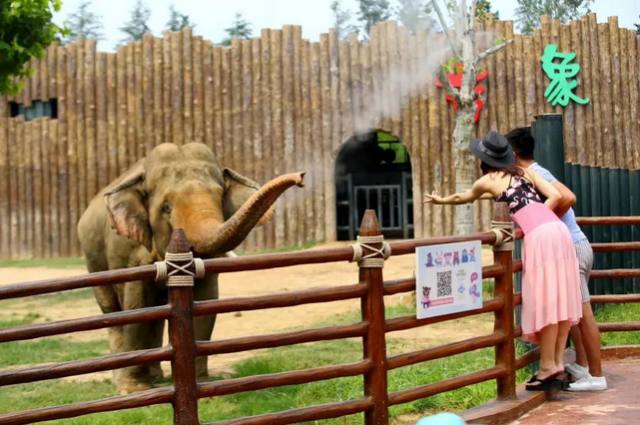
[
  {"x": 452, "y": 66},
  {"x": 241, "y": 29},
  {"x": 341, "y": 20},
  {"x": 637, "y": 27},
  {"x": 138, "y": 24},
  {"x": 372, "y": 12},
  {"x": 528, "y": 12},
  {"x": 26, "y": 29},
  {"x": 178, "y": 21},
  {"x": 83, "y": 23},
  {"x": 483, "y": 8},
  {"x": 415, "y": 15}
]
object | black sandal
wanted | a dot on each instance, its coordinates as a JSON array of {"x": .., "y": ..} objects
[{"x": 547, "y": 384}]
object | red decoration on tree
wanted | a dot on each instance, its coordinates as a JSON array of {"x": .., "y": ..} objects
[{"x": 456, "y": 82}]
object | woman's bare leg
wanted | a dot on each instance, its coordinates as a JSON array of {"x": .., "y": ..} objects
[{"x": 548, "y": 339}]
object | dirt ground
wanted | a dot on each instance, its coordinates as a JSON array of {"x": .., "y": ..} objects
[{"x": 257, "y": 322}]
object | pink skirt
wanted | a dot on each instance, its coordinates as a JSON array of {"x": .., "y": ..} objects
[{"x": 550, "y": 272}]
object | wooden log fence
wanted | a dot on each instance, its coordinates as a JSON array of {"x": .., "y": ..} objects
[
  {"x": 279, "y": 103},
  {"x": 183, "y": 349}
]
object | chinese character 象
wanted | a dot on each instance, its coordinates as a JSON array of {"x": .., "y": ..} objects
[{"x": 560, "y": 89}]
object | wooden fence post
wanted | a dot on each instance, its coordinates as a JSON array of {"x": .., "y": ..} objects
[
  {"x": 504, "y": 318},
  {"x": 181, "y": 335},
  {"x": 375, "y": 382}
]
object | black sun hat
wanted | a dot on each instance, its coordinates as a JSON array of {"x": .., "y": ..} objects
[{"x": 494, "y": 150}]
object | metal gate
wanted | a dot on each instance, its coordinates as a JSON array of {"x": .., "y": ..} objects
[{"x": 393, "y": 204}]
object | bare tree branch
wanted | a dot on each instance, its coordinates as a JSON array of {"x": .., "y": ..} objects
[
  {"x": 445, "y": 28},
  {"x": 472, "y": 15},
  {"x": 448, "y": 88},
  {"x": 449, "y": 12},
  {"x": 492, "y": 50},
  {"x": 456, "y": 12}
]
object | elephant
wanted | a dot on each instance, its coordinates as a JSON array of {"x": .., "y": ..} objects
[{"x": 129, "y": 223}]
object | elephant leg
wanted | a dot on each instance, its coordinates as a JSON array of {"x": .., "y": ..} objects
[
  {"x": 137, "y": 336},
  {"x": 155, "y": 369},
  {"x": 115, "y": 337},
  {"x": 205, "y": 289},
  {"x": 108, "y": 301}
]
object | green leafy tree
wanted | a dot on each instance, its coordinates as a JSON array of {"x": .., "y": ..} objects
[
  {"x": 483, "y": 8},
  {"x": 529, "y": 12},
  {"x": 637, "y": 27},
  {"x": 26, "y": 29},
  {"x": 83, "y": 23},
  {"x": 341, "y": 20},
  {"x": 178, "y": 21},
  {"x": 240, "y": 29},
  {"x": 415, "y": 15},
  {"x": 372, "y": 12},
  {"x": 138, "y": 24}
]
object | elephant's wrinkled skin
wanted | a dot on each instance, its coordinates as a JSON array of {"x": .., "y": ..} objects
[{"x": 129, "y": 223}]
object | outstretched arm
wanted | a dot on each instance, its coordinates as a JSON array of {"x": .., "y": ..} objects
[{"x": 476, "y": 192}]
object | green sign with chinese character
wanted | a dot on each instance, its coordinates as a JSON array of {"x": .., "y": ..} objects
[{"x": 560, "y": 91}]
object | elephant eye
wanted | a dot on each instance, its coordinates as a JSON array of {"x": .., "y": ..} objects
[{"x": 166, "y": 208}]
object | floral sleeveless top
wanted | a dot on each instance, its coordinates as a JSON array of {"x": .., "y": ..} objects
[{"x": 519, "y": 194}]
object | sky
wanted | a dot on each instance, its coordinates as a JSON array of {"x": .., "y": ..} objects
[{"x": 213, "y": 16}]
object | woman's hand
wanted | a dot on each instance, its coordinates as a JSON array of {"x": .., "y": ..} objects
[{"x": 433, "y": 198}]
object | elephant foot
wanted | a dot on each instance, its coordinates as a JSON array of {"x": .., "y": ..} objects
[
  {"x": 133, "y": 387},
  {"x": 156, "y": 373},
  {"x": 202, "y": 369},
  {"x": 202, "y": 376}
]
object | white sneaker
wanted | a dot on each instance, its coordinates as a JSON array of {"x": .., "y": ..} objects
[
  {"x": 589, "y": 383},
  {"x": 577, "y": 371}
]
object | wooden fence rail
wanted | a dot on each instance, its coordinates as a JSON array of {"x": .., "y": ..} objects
[{"x": 183, "y": 349}]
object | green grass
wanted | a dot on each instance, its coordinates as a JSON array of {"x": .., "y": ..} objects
[
  {"x": 44, "y": 350},
  {"x": 239, "y": 405},
  {"x": 276, "y": 399},
  {"x": 271, "y": 361},
  {"x": 355, "y": 315},
  {"x": 74, "y": 295},
  {"x": 15, "y": 320},
  {"x": 50, "y": 263},
  {"x": 619, "y": 313},
  {"x": 49, "y": 350}
]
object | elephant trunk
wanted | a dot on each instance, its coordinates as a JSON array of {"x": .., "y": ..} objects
[{"x": 212, "y": 238}]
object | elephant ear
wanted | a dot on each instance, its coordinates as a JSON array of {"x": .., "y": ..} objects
[
  {"x": 126, "y": 211},
  {"x": 238, "y": 189}
]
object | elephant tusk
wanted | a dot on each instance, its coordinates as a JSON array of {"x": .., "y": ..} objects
[{"x": 231, "y": 254}]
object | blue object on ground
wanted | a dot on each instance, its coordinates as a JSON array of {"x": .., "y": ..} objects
[{"x": 442, "y": 419}]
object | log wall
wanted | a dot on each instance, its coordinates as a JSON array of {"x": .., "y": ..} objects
[{"x": 279, "y": 103}]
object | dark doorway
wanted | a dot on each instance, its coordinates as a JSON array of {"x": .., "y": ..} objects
[{"x": 373, "y": 171}]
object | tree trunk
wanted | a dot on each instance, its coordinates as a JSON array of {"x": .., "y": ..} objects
[{"x": 464, "y": 164}]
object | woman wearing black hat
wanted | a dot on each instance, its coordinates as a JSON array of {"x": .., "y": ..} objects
[{"x": 551, "y": 300}]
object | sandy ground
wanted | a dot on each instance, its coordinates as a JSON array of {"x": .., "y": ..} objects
[{"x": 257, "y": 322}]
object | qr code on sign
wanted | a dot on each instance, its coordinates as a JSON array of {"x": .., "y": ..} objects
[{"x": 444, "y": 284}]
